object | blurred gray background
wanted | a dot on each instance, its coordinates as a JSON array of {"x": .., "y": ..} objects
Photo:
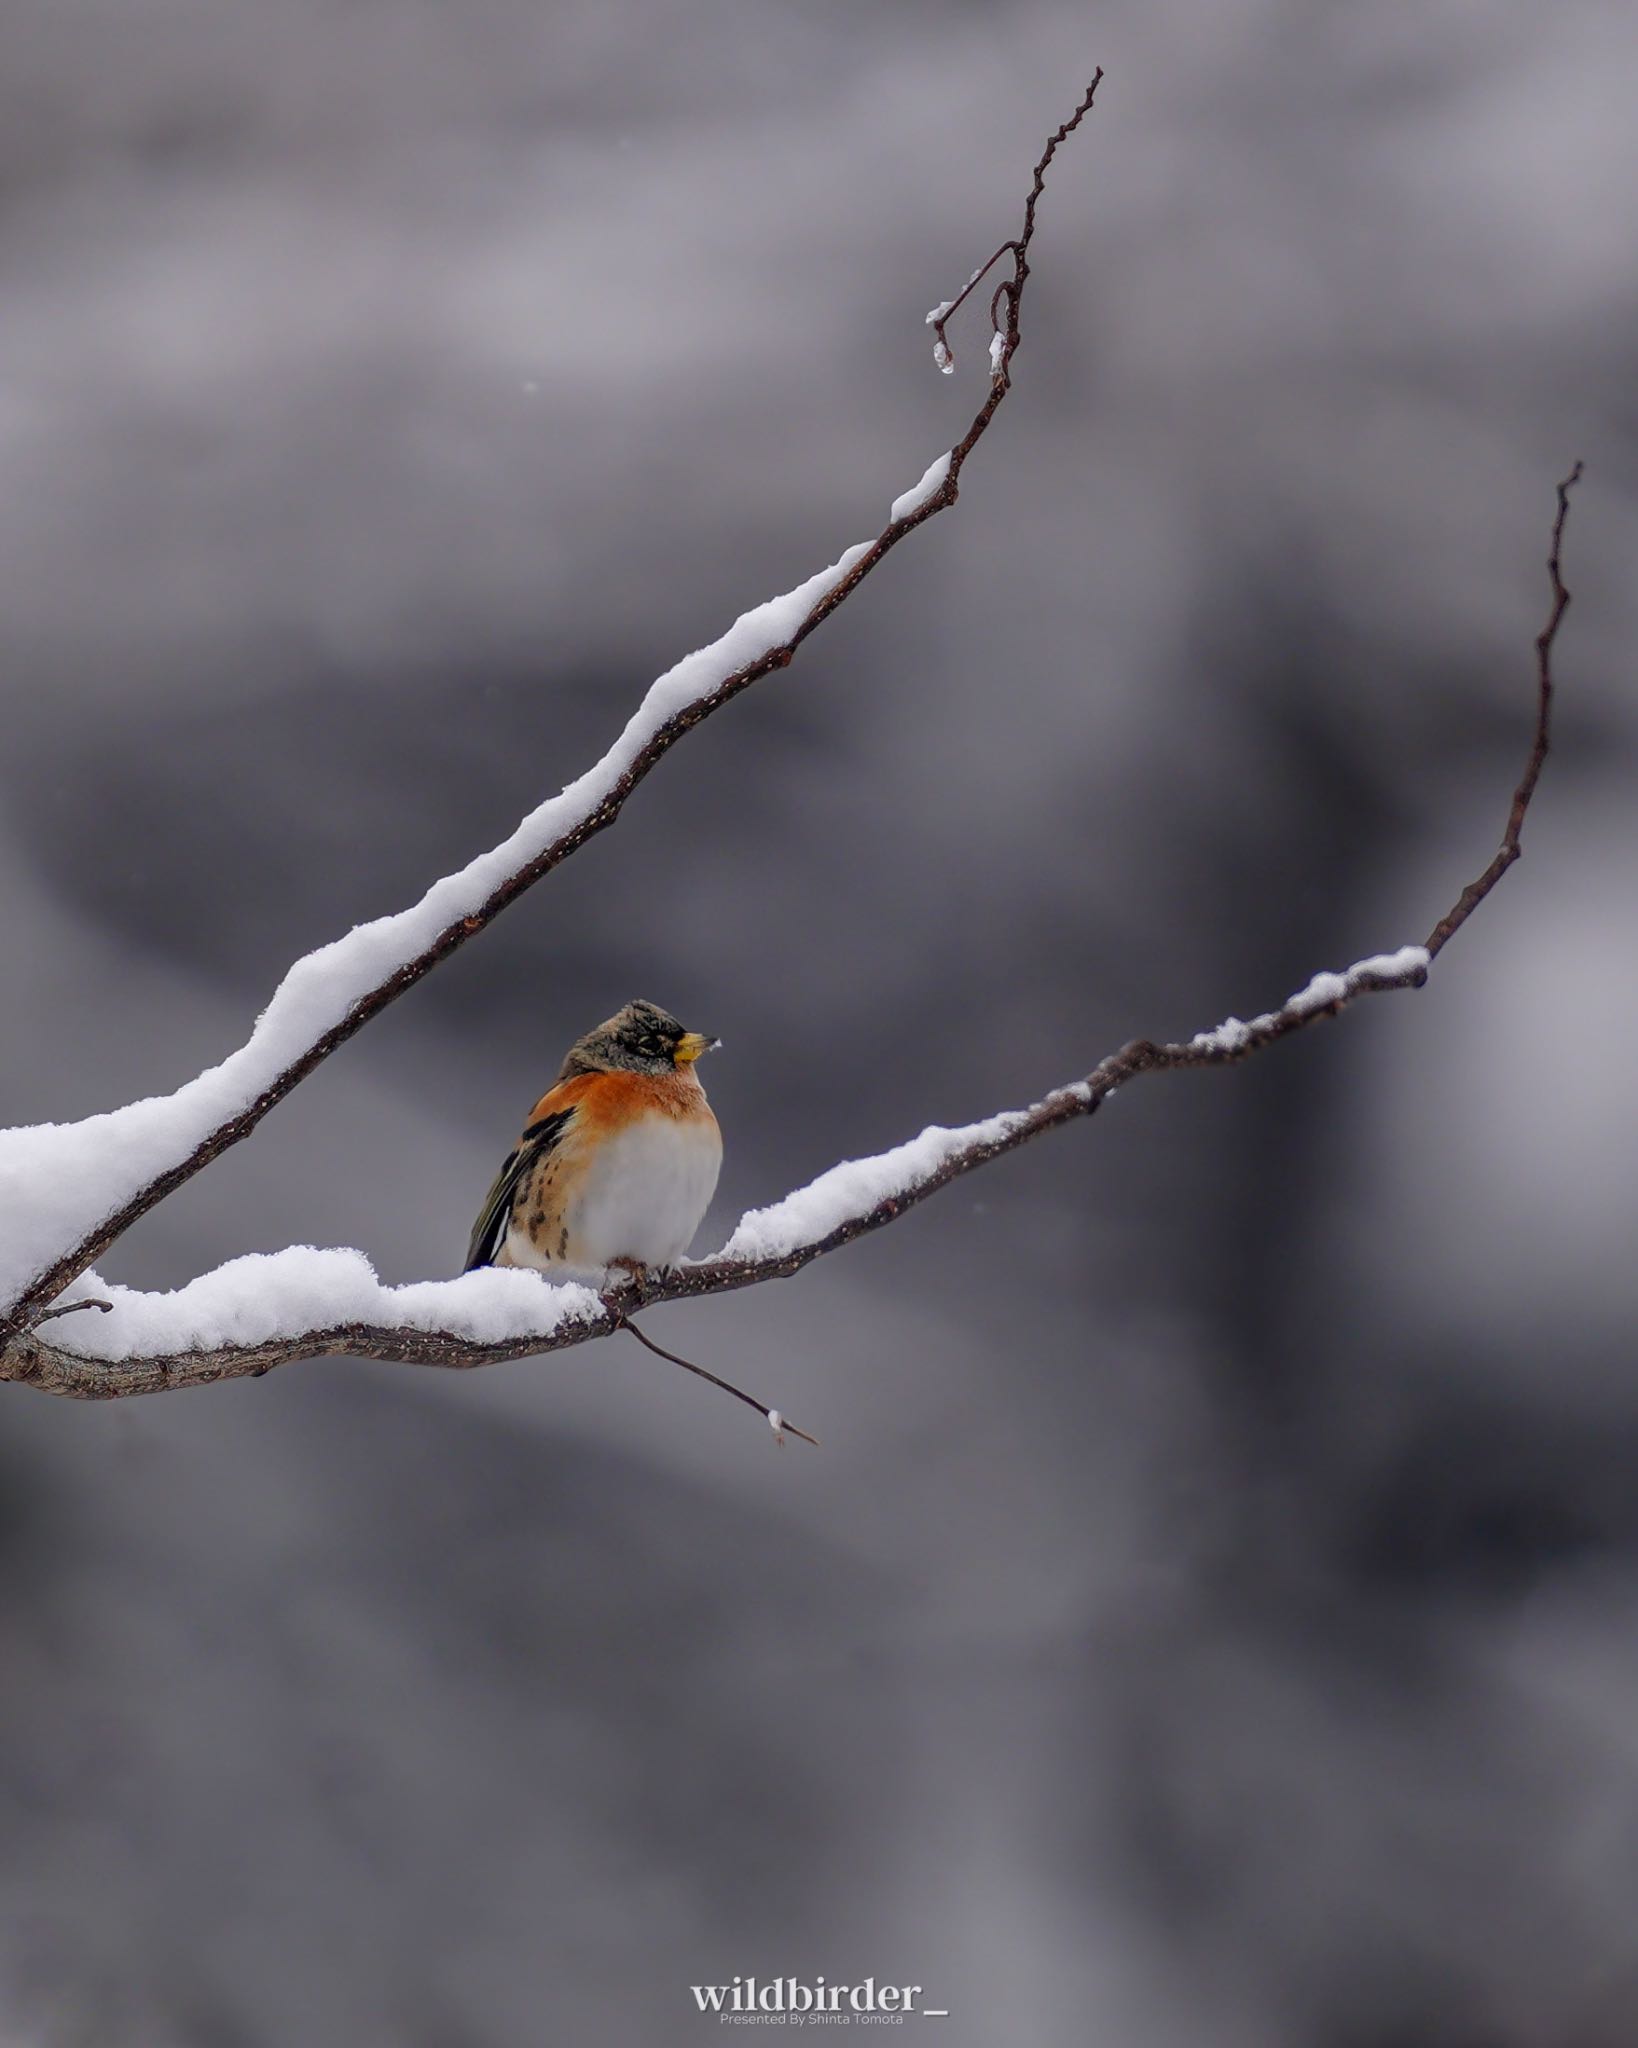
[{"x": 1213, "y": 1615}]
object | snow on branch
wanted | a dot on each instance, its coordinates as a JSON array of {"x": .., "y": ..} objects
[
  {"x": 67, "y": 1191},
  {"x": 258, "y": 1312},
  {"x": 302, "y": 1303}
]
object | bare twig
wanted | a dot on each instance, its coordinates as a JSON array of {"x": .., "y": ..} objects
[
  {"x": 1011, "y": 289},
  {"x": 69, "y": 1308},
  {"x": 65, "y": 1268},
  {"x": 777, "y": 1422},
  {"x": 1508, "y": 852}
]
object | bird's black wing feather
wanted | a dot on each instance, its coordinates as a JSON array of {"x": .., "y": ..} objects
[{"x": 494, "y": 1218}]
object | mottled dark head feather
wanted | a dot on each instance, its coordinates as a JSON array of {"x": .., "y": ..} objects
[{"x": 642, "y": 1038}]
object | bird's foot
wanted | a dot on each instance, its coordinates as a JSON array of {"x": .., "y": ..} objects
[{"x": 637, "y": 1272}]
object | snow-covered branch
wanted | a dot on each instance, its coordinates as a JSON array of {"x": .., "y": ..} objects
[
  {"x": 257, "y": 1312},
  {"x": 266, "y": 1310},
  {"x": 67, "y": 1191},
  {"x": 262, "y": 1311}
]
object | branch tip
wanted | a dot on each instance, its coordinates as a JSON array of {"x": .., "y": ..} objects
[
  {"x": 68, "y": 1308},
  {"x": 1009, "y": 292},
  {"x": 775, "y": 1421},
  {"x": 1511, "y": 846}
]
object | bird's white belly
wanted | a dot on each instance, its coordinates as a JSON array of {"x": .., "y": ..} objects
[{"x": 644, "y": 1194}]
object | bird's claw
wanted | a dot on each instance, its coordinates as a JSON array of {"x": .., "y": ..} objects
[{"x": 637, "y": 1276}]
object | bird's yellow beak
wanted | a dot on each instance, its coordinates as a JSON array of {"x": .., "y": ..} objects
[{"x": 691, "y": 1045}]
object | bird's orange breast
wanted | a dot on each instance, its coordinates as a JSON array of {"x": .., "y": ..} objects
[{"x": 607, "y": 1102}]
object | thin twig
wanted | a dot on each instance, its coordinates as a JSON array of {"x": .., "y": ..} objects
[
  {"x": 1509, "y": 850},
  {"x": 68, "y": 1308},
  {"x": 776, "y": 1422},
  {"x": 940, "y": 316},
  {"x": 1010, "y": 289}
]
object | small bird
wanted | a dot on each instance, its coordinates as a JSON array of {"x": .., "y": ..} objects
[{"x": 618, "y": 1160}]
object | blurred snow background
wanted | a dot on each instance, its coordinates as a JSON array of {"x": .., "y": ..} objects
[{"x": 1212, "y": 1611}]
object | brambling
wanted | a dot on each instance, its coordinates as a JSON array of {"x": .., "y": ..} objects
[{"x": 618, "y": 1160}]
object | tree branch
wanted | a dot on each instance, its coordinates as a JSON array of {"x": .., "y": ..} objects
[
  {"x": 147, "y": 1343},
  {"x": 848, "y": 1202},
  {"x": 331, "y": 995}
]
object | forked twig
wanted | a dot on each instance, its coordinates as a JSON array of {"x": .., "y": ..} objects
[{"x": 1009, "y": 291}]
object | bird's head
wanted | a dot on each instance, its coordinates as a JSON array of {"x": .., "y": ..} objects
[{"x": 641, "y": 1038}]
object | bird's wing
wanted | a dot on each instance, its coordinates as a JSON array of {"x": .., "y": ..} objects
[{"x": 544, "y": 1134}]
